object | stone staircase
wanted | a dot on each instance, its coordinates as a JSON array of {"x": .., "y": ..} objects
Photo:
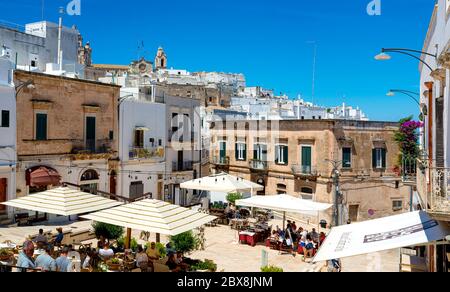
[{"x": 4, "y": 220}]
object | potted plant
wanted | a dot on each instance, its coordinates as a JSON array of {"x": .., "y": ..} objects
[
  {"x": 6, "y": 255},
  {"x": 113, "y": 264},
  {"x": 271, "y": 269},
  {"x": 184, "y": 242},
  {"x": 107, "y": 231}
]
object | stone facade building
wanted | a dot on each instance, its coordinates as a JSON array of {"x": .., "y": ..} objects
[
  {"x": 294, "y": 157},
  {"x": 67, "y": 132}
]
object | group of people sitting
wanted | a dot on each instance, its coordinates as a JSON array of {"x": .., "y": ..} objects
[{"x": 299, "y": 239}]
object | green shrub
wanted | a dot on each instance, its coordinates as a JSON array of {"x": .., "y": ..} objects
[
  {"x": 162, "y": 249},
  {"x": 233, "y": 197},
  {"x": 271, "y": 269},
  {"x": 133, "y": 244},
  {"x": 207, "y": 265},
  {"x": 184, "y": 242},
  {"x": 110, "y": 232}
]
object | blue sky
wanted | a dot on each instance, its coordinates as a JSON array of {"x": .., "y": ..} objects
[{"x": 267, "y": 40}]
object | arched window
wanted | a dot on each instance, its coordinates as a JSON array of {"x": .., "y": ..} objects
[
  {"x": 88, "y": 182},
  {"x": 307, "y": 193},
  {"x": 89, "y": 175}
]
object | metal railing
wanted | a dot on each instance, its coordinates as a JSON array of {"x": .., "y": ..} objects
[
  {"x": 409, "y": 169},
  {"x": 259, "y": 165},
  {"x": 221, "y": 160},
  {"x": 439, "y": 199},
  {"x": 92, "y": 146},
  {"x": 303, "y": 169},
  {"x": 136, "y": 153}
]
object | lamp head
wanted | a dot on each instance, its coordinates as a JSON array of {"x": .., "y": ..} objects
[
  {"x": 382, "y": 57},
  {"x": 390, "y": 93}
]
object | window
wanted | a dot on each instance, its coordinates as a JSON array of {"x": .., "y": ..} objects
[
  {"x": 307, "y": 193},
  {"x": 379, "y": 158},
  {"x": 91, "y": 133},
  {"x": 281, "y": 154},
  {"x": 223, "y": 149},
  {"x": 241, "y": 151},
  {"x": 281, "y": 189},
  {"x": 41, "y": 127},
  {"x": 5, "y": 119},
  {"x": 347, "y": 157},
  {"x": 306, "y": 159},
  {"x": 260, "y": 152},
  {"x": 397, "y": 205},
  {"x": 136, "y": 190}
]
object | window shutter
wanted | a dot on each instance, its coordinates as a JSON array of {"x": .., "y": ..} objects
[
  {"x": 245, "y": 152},
  {"x": 286, "y": 155},
  {"x": 255, "y": 152},
  {"x": 5, "y": 119},
  {"x": 236, "y": 152},
  {"x": 383, "y": 157},
  {"x": 277, "y": 154},
  {"x": 374, "y": 158}
]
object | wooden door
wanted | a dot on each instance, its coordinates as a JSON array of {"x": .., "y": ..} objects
[
  {"x": 353, "y": 213},
  {"x": 3, "y": 194}
]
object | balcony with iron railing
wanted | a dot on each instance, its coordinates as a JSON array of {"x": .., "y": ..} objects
[
  {"x": 439, "y": 199},
  {"x": 221, "y": 161},
  {"x": 148, "y": 153},
  {"x": 259, "y": 165},
  {"x": 304, "y": 170},
  {"x": 182, "y": 166}
]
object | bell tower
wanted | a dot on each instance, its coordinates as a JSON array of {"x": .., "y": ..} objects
[{"x": 161, "y": 59}]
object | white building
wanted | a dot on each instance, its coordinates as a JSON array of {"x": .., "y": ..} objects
[
  {"x": 8, "y": 155},
  {"x": 36, "y": 45},
  {"x": 142, "y": 148}
]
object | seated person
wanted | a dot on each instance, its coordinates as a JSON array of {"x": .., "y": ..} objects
[
  {"x": 25, "y": 260},
  {"x": 106, "y": 252},
  {"x": 86, "y": 262},
  {"x": 45, "y": 262},
  {"x": 172, "y": 263},
  {"x": 180, "y": 262},
  {"x": 314, "y": 235},
  {"x": 72, "y": 253},
  {"x": 41, "y": 239},
  {"x": 63, "y": 261},
  {"x": 309, "y": 248},
  {"x": 142, "y": 259},
  {"x": 59, "y": 237},
  {"x": 101, "y": 242},
  {"x": 169, "y": 248},
  {"x": 152, "y": 254}
]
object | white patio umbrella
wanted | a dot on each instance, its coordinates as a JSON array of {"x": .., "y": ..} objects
[
  {"x": 63, "y": 201},
  {"x": 222, "y": 183},
  {"x": 285, "y": 204},
  {"x": 152, "y": 216}
]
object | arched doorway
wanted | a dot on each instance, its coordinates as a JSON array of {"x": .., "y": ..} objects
[{"x": 89, "y": 181}]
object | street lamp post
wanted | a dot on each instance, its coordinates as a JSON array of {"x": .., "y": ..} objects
[
  {"x": 28, "y": 84},
  {"x": 383, "y": 56}
]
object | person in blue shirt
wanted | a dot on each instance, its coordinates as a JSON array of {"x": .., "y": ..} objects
[
  {"x": 59, "y": 237},
  {"x": 63, "y": 262},
  {"x": 45, "y": 262},
  {"x": 25, "y": 260}
]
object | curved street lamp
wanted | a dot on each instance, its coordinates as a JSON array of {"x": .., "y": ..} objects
[
  {"x": 28, "y": 84},
  {"x": 383, "y": 56},
  {"x": 414, "y": 96}
]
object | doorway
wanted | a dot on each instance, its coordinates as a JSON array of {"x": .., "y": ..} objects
[
  {"x": 3, "y": 194},
  {"x": 90, "y": 134},
  {"x": 353, "y": 212}
]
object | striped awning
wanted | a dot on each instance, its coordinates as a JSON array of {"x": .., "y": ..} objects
[
  {"x": 63, "y": 202},
  {"x": 153, "y": 216},
  {"x": 222, "y": 183}
]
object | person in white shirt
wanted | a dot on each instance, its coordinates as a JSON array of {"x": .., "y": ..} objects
[
  {"x": 142, "y": 259},
  {"x": 106, "y": 252}
]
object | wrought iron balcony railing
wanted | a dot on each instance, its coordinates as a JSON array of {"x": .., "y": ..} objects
[
  {"x": 137, "y": 153},
  {"x": 304, "y": 170},
  {"x": 184, "y": 166},
  {"x": 259, "y": 165},
  {"x": 439, "y": 199},
  {"x": 221, "y": 160}
]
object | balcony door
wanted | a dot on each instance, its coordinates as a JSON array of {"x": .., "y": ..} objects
[
  {"x": 306, "y": 158},
  {"x": 90, "y": 133},
  {"x": 180, "y": 160},
  {"x": 3, "y": 194},
  {"x": 260, "y": 152}
]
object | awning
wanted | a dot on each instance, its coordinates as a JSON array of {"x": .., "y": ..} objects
[
  {"x": 63, "y": 202},
  {"x": 43, "y": 176},
  {"x": 222, "y": 183},
  {"x": 145, "y": 129},
  {"x": 409, "y": 229},
  {"x": 284, "y": 203},
  {"x": 153, "y": 216}
]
